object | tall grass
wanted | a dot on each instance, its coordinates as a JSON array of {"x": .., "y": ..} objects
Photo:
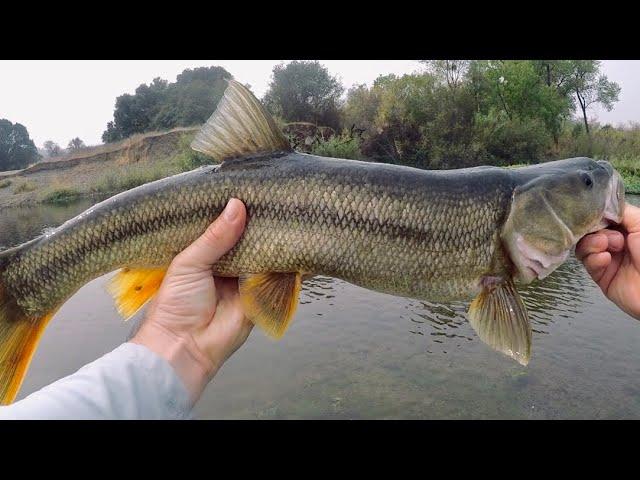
[
  {"x": 131, "y": 176},
  {"x": 24, "y": 187},
  {"x": 5, "y": 183}
]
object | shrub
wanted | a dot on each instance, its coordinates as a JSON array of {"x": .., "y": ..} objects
[
  {"x": 506, "y": 141},
  {"x": 24, "y": 187},
  {"x": 187, "y": 158},
  {"x": 62, "y": 196},
  {"x": 343, "y": 146}
]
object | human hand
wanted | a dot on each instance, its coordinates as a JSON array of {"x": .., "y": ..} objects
[
  {"x": 196, "y": 321},
  {"x": 612, "y": 259}
]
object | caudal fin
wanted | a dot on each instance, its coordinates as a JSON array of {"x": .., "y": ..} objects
[{"x": 19, "y": 337}]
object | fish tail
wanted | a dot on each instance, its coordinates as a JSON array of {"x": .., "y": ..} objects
[{"x": 19, "y": 337}]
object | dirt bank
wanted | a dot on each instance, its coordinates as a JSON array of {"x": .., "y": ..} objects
[{"x": 82, "y": 172}]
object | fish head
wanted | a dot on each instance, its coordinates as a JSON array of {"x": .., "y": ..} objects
[{"x": 550, "y": 213}]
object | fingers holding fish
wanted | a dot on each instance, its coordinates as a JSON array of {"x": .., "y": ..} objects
[
  {"x": 596, "y": 264},
  {"x": 217, "y": 240},
  {"x": 602, "y": 241}
]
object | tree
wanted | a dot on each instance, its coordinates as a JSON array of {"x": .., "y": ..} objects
[
  {"x": 592, "y": 87},
  {"x": 304, "y": 91},
  {"x": 135, "y": 113},
  {"x": 162, "y": 105},
  {"x": 451, "y": 72},
  {"x": 523, "y": 90},
  {"x": 75, "y": 144},
  {"x": 17, "y": 150},
  {"x": 52, "y": 148}
]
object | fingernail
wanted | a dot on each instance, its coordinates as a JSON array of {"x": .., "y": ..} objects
[{"x": 232, "y": 210}]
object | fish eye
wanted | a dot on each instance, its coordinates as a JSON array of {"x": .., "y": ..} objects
[{"x": 587, "y": 180}]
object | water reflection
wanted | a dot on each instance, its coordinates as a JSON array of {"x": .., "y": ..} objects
[
  {"x": 18, "y": 225},
  {"x": 561, "y": 294}
]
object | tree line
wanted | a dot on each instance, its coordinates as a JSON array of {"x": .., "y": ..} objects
[
  {"x": 451, "y": 114},
  {"x": 17, "y": 149},
  {"x": 463, "y": 113}
]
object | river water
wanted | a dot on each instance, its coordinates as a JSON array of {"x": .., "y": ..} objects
[{"x": 355, "y": 354}]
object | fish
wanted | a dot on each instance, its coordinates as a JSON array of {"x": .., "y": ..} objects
[{"x": 470, "y": 234}]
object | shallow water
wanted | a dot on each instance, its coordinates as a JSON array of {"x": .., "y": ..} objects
[{"x": 352, "y": 353}]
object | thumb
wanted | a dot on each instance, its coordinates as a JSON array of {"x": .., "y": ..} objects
[{"x": 217, "y": 240}]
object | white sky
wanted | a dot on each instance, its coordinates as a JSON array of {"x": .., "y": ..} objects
[{"x": 58, "y": 100}]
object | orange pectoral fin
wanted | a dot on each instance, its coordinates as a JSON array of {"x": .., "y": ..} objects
[{"x": 132, "y": 288}]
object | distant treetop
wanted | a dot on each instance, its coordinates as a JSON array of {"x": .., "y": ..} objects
[
  {"x": 162, "y": 105},
  {"x": 305, "y": 91},
  {"x": 17, "y": 150}
]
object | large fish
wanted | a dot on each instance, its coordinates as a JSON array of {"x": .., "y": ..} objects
[{"x": 436, "y": 235}]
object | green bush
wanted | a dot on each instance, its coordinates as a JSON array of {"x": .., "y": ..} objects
[
  {"x": 187, "y": 159},
  {"x": 5, "y": 183},
  {"x": 62, "y": 196},
  {"x": 506, "y": 141},
  {"x": 343, "y": 146}
]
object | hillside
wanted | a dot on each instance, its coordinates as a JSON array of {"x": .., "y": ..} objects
[{"x": 100, "y": 171}]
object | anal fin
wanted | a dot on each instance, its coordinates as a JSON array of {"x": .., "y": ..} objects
[
  {"x": 132, "y": 288},
  {"x": 500, "y": 319},
  {"x": 270, "y": 300}
]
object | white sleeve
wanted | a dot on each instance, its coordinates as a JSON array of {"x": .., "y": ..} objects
[{"x": 131, "y": 382}]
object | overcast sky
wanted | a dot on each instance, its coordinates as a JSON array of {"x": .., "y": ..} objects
[{"x": 59, "y": 100}]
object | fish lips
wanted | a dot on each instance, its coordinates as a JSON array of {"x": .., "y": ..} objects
[{"x": 615, "y": 201}]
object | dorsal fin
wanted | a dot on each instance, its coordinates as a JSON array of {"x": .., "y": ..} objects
[{"x": 240, "y": 126}]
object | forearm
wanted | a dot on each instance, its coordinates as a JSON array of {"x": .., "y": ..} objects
[{"x": 131, "y": 382}]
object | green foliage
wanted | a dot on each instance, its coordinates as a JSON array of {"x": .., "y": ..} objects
[
  {"x": 361, "y": 108},
  {"x": 343, "y": 146},
  {"x": 464, "y": 113},
  {"x": 519, "y": 90},
  {"x": 24, "y": 187},
  {"x": 620, "y": 146},
  {"x": 414, "y": 119},
  {"x": 507, "y": 141},
  {"x": 304, "y": 91},
  {"x": 62, "y": 196},
  {"x": 5, "y": 183},
  {"x": 17, "y": 150},
  {"x": 162, "y": 105},
  {"x": 453, "y": 114},
  {"x": 591, "y": 87},
  {"x": 186, "y": 158}
]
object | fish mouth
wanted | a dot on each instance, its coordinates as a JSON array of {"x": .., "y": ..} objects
[
  {"x": 534, "y": 263},
  {"x": 614, "y": 206}
]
